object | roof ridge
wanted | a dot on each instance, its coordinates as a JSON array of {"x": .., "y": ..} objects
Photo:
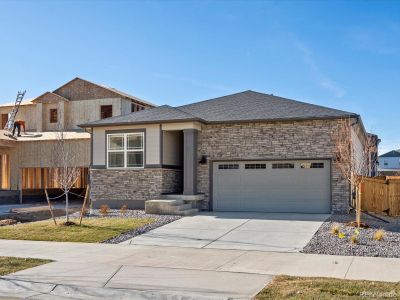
[
  {"x": 302, "y": 102},
  {"x": 217, "y": 98}
]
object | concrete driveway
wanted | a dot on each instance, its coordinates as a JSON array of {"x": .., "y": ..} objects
[{"x": 280, "y": 232}]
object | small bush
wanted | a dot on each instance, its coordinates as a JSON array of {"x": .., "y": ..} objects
[
  {"x": 354, "y": 239},
  {"x": 379, "y": 235},
  {"x": 335, "y": 229},
  {"x": 123, "y": 209},
  {"x": 104, "y": 209},
  {"x": 341, "y": 235}
]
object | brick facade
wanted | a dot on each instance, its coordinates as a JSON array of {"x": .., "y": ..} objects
[
  {"x": 271, "y": 140},
  {"x": 132, "y": 187}
]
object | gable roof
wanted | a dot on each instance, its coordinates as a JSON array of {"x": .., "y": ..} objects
[
  {"x": 393, "y": 153},
  {"x": 112, "y": 91},
  {"x": 246, "y": 106},
  {"x": 51, "y": 96}
]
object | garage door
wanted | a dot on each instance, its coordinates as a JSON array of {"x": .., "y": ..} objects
[{"x": 272, "y": 186}]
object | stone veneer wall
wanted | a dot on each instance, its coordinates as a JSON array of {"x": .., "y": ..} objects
[
  {"x": 116, "y": 187},
  {"x": 271, "y": 140}
]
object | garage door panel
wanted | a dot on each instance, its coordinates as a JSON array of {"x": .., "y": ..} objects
[{"x": 273, "y": 190}]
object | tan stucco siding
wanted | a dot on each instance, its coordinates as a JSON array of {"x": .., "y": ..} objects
[
  {"x": 152, "y": 140},
  {"x": 181, "y": 126},
  {"x": 172, "y": 148}
]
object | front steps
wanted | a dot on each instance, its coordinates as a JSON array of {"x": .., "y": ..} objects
[{"x": 180, "y": 205}]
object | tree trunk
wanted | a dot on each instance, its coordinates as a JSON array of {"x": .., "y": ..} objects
[{"x": 66, "y": 207}]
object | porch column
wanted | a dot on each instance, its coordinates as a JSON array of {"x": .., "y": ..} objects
[{"x": 190, "y": 161}]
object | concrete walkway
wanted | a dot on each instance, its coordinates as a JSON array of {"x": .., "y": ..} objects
[
  {"x": 282, "y": 232},
  {"x": 100, "y": 271}
]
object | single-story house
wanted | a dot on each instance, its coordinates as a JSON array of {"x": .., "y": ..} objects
[{"x": 243, "y": 152}]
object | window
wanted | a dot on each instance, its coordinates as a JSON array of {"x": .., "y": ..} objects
[
  {"x": 105, "y": 111},
  {"x": 53, "y": 115},
  {"x": 125, "y": 150},
  {"x": 136, "y": 107},
  {"x": 282, "y": 166},
  {"x": 255, "y": 166},
  {"x": 228, "y": 166},
  {"x": 312, "y": 165}
]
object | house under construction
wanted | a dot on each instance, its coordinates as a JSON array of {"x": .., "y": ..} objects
[{"x": 27, "y": 163}]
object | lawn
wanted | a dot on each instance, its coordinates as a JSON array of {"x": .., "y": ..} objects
[
  {"x": 287, "y": 287},
  {"x": 93, "y": 230},
  {"x": 13, "y": 264}
]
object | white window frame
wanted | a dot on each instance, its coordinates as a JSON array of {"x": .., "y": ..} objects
[{"x": 125, "y": 150}]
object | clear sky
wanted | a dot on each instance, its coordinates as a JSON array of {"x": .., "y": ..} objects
[{"x": 341, "y": 54}]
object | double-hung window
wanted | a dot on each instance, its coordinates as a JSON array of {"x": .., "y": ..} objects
[{"x": 125, "y": 150}]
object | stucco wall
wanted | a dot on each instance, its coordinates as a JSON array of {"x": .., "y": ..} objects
[
  {"x": 172, "y": 148},
  {"x": 152, "y": 140},
  {"x": 274, "y": 140}
]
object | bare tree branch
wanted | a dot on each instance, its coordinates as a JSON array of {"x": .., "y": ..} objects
[{"x": 352, "y": 158}]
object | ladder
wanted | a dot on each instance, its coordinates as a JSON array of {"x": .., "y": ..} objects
[{"x": 13, "y": 113}]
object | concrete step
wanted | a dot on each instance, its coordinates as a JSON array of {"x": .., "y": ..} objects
[
  {"x": 198, "y": 197},
  {"x": 184, "y": 207},
  {"x": 168, "y": 207},
  {"x": 189, "y": 212}
]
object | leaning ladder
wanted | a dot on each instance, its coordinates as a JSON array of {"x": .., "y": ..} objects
[{"x": 13, "y": 113}]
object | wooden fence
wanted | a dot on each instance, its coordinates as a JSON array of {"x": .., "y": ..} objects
[{"x": 381, "y": 195}]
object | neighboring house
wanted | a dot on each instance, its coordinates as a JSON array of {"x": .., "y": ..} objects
[
  {"x": 389, "y": 163},
  {"x": 243, "y": 152},
  {"x": 25, "y": 163}
]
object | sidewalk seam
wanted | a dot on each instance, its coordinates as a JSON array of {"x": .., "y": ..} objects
[
  {"x": 348, "y": 269},
  {"x": 226, "y": 233},
  {"x": 112, "y": 275},
  {"x": 231, "y": 260}
]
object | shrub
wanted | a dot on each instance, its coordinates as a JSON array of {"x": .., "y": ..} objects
[
  {"x": 104, "y": 209},
  {"x": 123, "y": 209},
  {"x": 341, "y": 235},
  {"x": 354, "y": 239},
  {"x": 379, "y": 235},
  {"x": 335, "y": 229}
]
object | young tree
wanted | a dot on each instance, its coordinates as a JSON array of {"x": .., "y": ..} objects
[
  {"x": 65, "y": 173},
  {"x": 352, "y": 158}
]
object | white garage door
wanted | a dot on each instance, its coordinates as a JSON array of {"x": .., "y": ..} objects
[{"x": 272, "y": 186}]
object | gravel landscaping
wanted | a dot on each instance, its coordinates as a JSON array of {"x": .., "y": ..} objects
[
  {"x": 325, "y": 242},
  {"x": 160, "y": 220}
]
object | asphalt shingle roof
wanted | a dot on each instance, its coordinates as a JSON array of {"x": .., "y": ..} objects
[
  {"x": 244, "y": 106},
  {"x": 393, "y": 153}
]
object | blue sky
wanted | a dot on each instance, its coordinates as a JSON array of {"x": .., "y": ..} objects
[{"x": 342, "y": 54}]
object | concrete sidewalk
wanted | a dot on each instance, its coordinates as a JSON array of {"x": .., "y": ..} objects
[{"x": 189, "y": 272}]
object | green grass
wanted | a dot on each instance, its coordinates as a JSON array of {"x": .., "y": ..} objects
[
  {"x": 13, "y": 264},
  {"x": 93, "y": 230},
  {"x": 287, "y": 287}
]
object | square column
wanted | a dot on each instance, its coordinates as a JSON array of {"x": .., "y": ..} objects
[{"x": 190, "y": 161}]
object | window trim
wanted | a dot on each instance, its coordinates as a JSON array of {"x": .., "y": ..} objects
[{"x": 125, "y": 150}]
